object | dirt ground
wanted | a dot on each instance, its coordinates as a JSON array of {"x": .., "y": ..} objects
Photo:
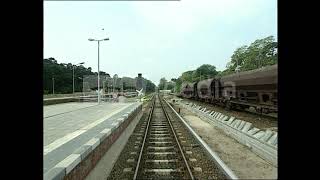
[
  {"x": 261, "y": 122},
  {"x": 244, "y": 163}
]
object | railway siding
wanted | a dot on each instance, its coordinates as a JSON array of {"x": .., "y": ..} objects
[{"x": 262, "y": 143}]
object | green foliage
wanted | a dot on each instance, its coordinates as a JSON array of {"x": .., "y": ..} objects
[
  {"x": 205, "y": 71},
  {"x": 262, "y": 52},
  {"x": 178, "y": 84},
  {"x": 62, "y": 74},
  {"x": 162, "y": 83},
  {"x": 170, "y": 85},
  {"x": 165, "y": 85},
  {"x": 150, "y": 87},
  {"x": 186, "y": 76}
]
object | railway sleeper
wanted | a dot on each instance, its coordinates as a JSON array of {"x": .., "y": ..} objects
[
  {"x": 161, "y": 153},
  {"x": 159, "y": 123},
  {"x": 188, "y": 152},
  {"x": 197, "y": 169},
  {"x": 162, "y": 171},
  {"x": 159, "y": 135},
  {"x": 128, "y": 170},
  {"x": 160, "y": 142},
  {"x": 159, "y": 127},
  {"x": 158, "y": 155},
  {"x": 158, "y": 132},
  {"x": 131, "y": 160},
  {"x": 159, "y": 138},
  {"x": 162, "y": 161},
  {"x": 160, "y": 148},
  {"x": 137, "y": 134},
  {"x": 158, "y": 175}
]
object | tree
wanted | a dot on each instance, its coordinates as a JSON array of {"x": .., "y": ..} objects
[
  {"x": 178, "y": 83},
  {"x": 261, "y": 52},
  {"x": 187, "y": 76},
  {"x": 170, "y": 85},
  {"x": 150, "y": 87},
  {"x": 162, "y": 83},
  {"x": 62, "y": 74},
  {"x": 205, "y": 71}
]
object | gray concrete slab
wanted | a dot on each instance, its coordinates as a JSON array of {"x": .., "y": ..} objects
[
  {"x": 65, "y": 133},
  {"x": 61, "y": 119},
  {"x": 56, "y": 109}
]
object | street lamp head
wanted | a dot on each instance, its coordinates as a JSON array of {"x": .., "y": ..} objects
[
  {"x": 106, "y": 39},
  {"x": 90, "y": 39},
  {"x": 81, "y": 63}
]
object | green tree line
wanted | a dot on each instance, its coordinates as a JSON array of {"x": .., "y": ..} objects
[
  {"x": 262, "y": 52},
  {"x": 150, "y": 86},
  {"x": 166, "y": 85},
  {"x": 63, "y": 74}
]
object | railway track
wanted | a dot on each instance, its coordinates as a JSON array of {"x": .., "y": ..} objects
[{"x": 161, "y": 147}]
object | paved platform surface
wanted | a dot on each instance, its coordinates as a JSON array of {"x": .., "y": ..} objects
[{"x": 68, "y": 126}]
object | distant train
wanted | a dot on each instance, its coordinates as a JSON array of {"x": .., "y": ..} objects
[{"x": 256, "y": 88}]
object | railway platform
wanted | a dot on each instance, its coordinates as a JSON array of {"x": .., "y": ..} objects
[{"x": 70, "y": 127}]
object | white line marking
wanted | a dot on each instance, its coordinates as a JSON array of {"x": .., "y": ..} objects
[{"x": 59, "y": 142}]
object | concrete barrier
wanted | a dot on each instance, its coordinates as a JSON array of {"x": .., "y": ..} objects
[
  {"x": 274, "y": 139},
  {"x": 78, "y": 165},
  {"x": 241, "y": 125},
  {"x": 246, "y": 127},
  {"x": 262, "y": 143}
]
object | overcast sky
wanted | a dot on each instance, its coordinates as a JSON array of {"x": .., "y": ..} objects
[{"x": 155, "y": 38}]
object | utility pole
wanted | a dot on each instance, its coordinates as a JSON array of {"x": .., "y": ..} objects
[
  {"x": 73, "y": 76},
  {"x": 52, "y": 85}
]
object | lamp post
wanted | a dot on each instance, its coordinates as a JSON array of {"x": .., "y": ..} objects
[
  {"x": 98, "y": 40},
  {"x": 73, "y": 76},
  {"x": 238, "y": 67},
  {"x": 52, "y": 85}
]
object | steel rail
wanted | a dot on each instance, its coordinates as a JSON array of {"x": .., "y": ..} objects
[
  {"x": 175, "y": 136},
  {"x": 222, "y": 166},
  {"x": 144, "y": 139}
]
